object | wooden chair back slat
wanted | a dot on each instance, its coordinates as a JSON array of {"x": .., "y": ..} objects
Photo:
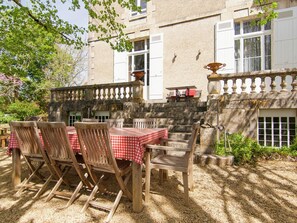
[
  {"x": 116, "y": 123},
  {"x": 95, "y": 146},
  {"x": 27, "y": 136},
  {"x": 142, "y": 123},
  {"x": 56, "y": 141}
]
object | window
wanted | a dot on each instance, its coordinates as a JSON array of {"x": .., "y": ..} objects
[
  {"x": 102, "y": 115},
  {"x": 73, "y": 117},
  {"x": 252, "y": 46},
  {"x": 276, "y": 130},
  {"x": 138, "y": 59},
  {"x": 142, "y": 5}
]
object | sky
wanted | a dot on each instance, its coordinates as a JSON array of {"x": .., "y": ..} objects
[{"x": 78, "y": 17}]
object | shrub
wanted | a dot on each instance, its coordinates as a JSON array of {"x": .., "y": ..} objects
[
  {"x": 23, "y": 110},
  {"x": 246, "y": 150},
  {"x": 6, "y": 118},
  {"x": 242, "y": 148}
]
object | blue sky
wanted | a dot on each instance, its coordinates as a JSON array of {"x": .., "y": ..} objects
[{"x": 79, "y": 17}]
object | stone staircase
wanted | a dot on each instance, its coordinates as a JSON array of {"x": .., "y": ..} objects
[{"x": 178, "y": 117}]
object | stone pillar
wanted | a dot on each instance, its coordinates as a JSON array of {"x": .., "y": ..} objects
[{"x": 138, "y": 91}]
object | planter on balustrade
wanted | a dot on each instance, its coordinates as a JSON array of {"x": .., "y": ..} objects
[
  {"x": 138, "y": 74},
  {"x": 214, "y": 85}
]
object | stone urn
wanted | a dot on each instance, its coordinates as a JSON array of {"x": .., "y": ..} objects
[
  {"x": 138, "y": 74},
  {"x": 214, "y": 67},
  {"x": 214, "y": 85}
]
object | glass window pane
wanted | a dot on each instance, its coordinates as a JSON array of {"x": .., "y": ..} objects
[
  {"x": 139, "y": 45},
  {"x": 251, "y": 26},
  {"x": 252, "y": 54},
  {"x": 267, "y": 45},
  {"x": 292, "y": 120},
  {"x": 143, "y": 5},
  {"x": 237, "y": 55},
  {"x": 130, "y": 64},
  {"x": 261, "y": 142},
  {"x": 267, "y": 26},
  {"x": 236, "y": 28},
  {"x": 139, "y": 62}
]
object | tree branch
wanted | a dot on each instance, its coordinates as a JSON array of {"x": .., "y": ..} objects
[{"x": 17, "y": 2}]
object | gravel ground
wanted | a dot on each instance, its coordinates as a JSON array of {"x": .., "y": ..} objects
[{"x": 264, "y": 193}]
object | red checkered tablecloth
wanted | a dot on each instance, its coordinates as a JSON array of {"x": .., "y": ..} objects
[{"x": 127, "y": 143}]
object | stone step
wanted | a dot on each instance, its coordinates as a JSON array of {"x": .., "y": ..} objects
[
  {"x": 180, "y": 128},
  {"x": 179, "y": 135},
  {"x": 211, "y": 159}
]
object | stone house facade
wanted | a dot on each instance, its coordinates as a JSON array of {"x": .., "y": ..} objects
[{"x": 174, "y": 40}]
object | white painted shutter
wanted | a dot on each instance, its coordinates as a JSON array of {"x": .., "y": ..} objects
[
  {"x": 284, "y": 45},
  {"x": 224, "y": 45},
  {"x": 156, "y": 67},
  {"x": 120, "y": 71}
]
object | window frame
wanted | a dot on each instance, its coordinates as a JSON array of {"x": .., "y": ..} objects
[
  {"x": 73, "y": 117},
  {"x": 143, "y": 11},
  {"x": 146, "y": 53},
  {"x": 276, "y": 127},
  {"x": 102, "y": 116},
  {"x": 242, "y": 36}
]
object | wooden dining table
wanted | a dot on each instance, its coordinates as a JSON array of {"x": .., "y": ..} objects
[{"x": 127, "y": 143}]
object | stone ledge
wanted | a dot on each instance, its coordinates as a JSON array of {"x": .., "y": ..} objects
[{"x": 211, "y": 159}]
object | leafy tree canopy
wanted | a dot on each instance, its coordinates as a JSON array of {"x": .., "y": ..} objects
[
  {"x": 28, "y": 33},
  {"x": 266, "y": 10}
]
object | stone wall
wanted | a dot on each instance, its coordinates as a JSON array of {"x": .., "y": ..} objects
[{"x": 239, "y": 114}]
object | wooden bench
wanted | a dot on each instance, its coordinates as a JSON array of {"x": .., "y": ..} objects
[{"x": 182, "y": 93}]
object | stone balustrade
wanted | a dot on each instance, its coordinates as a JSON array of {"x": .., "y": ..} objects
[
  {"x": 125, "y": 91},
  {"x": 283, "y": 80}
]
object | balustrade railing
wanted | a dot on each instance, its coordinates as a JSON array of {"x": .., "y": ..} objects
[
  {"x": 126, "y": 91},
  {"x": 256, "y": 82}
]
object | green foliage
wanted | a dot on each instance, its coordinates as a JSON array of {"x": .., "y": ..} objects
[
  {"x": 266, "y": 10},
  {"x": 243, "y": 149},
  {"x": 246, "y": 150},
  {"x": 5, "y": 118},
  {"x": 23, "y": 110}
]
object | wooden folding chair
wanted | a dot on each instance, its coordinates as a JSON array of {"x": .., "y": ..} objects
[
  {"x": 62, "y": 158},
  {"x": 173, "y": 162},
  {"x": 142, "y": 123},
  {"x": 97, "y": 152},
  {"x": 116, "y": 123},
  {"x": 32, "y": 151}
]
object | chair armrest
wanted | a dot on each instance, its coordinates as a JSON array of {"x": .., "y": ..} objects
[
  {"x": 166, "y": 148},
  {"x": 174, "y": 140}
]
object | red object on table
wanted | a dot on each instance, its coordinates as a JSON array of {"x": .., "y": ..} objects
[{"x": 127, "y": 143}]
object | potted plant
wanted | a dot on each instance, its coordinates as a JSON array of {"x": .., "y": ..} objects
[{"x": 138, "y": 74}]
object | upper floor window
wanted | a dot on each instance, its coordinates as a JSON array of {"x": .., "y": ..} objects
[
  {"x": 252, "y": 46},
  {"x": 142, "y": 5},
  {"x": 138, "y": 59}
]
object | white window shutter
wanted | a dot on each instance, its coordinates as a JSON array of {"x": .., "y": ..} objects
[
  {"x": 224, "y": 45},
  {"x": 120, "y": 71},
  {"x": 156, "y": 67},
  {"x": 284, "y": 45}
]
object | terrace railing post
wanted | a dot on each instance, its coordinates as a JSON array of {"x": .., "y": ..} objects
[
  {"x": 137, "y": 91},
  {"x": 88, "y": 94}
]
